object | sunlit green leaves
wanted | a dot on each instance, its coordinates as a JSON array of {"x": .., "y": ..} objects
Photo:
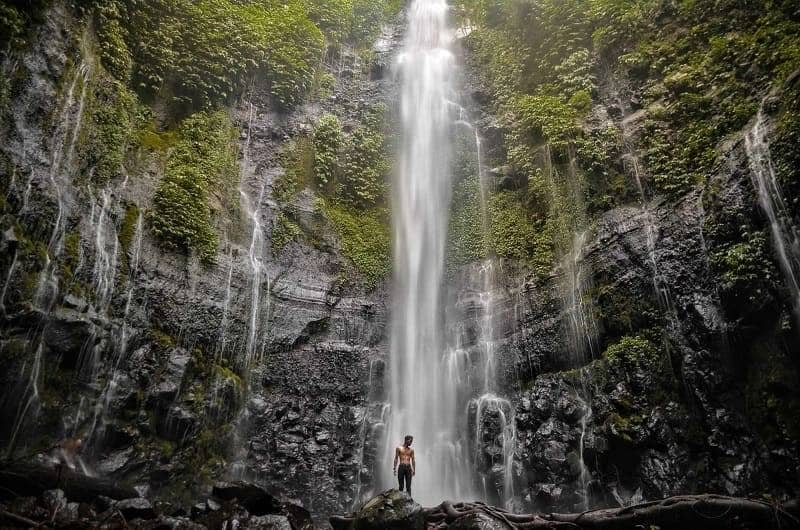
[{"x": 202, "y": 162}]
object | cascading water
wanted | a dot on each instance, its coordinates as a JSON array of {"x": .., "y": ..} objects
[
  {"x": 67, "y": 130},
  {"x": 259, "y": 275},
  {"x": 582, "y": 329},
  {"x": 225, "y": 322},
  {"x": 105, "y": 261},
  {"x": 423, "y": 400},
  {"x": 113, "y": 374},
  {"x": 62, "y": 150},
  {"x": 785, "y": 235}
]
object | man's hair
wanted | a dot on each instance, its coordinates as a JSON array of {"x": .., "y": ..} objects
[{"x": 408, "y": 437}]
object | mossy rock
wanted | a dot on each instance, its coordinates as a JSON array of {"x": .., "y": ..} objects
[{"x": 391, "y": 510}]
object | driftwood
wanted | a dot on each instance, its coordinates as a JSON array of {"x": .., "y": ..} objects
[
  {"x": 684, "y": 512},
  {"x": 26, "y": 480}
]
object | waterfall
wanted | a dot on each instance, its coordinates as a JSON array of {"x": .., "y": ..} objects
[
  {"x": 225, "y": 322},
  {"x": 105, "y": 262},
  {"x": 581, "y": 325},
  {"x": 68, "y": 126},
  {"x": 7, "y": 283},
  {"x": 258, "y": 270},
  {"x": 422, "y": 397},
  {"x": 785, "y": 236}
]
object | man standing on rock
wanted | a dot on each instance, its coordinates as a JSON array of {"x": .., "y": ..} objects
[{"x": 408, "y": 464}]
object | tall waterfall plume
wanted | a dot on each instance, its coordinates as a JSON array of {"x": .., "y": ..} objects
[{"x": 422, "y": 396}]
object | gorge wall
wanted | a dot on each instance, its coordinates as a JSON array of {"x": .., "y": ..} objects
[{"x": 195, "y": 278}]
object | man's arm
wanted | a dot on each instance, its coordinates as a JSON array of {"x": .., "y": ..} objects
[
  {"x": 413, "y": 464},
  {"x": 396, "y": 458}
]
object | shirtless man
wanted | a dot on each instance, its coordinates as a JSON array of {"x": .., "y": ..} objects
[{"x": 408, "y": 464}]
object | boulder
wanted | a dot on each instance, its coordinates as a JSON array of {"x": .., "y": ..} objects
[
  {"x": 136, "y": 509},
  {"x": 268, "y": 522},
  {"x": 255, "y": 499},
  {"x": 391, "y": 510}
]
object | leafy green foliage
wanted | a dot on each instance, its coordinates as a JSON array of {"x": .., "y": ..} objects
[
  {"x": 365, "y": 164},
  {"x": 465, "y": 238},
  {"x": 114, "y": 52},
  {"x": 114, "y": 119},
  {"x": 333, "y": 17},
  {"x": 201, "y": 166},
  {"x": 284, "y": 231},
  {"x": 369, "y": 16},
  {"x": 364, "y": 238},
  {"x": 200, "y": 52},
  {"x": 515, "y": 235},
  {"x": 17, "y": 18},
  {"x": 745, "y": 270},
  {"x": 327, "y": 143},
  {"x": 632, "y": 352},
  {"x": 550, "y": 118}
]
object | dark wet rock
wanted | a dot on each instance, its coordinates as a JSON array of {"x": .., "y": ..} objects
[
  {"x": 54, "y": 500},
  {"x": 391, "y": 510},
  {"x": 136, "y": 509},
  {"x": 268, "y": 522},
  {"x": 256, "y": 499},
  {"x": 67, "y": 334}
]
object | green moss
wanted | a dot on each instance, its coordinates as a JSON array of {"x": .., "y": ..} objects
[
  {"x": 111, "y": 131},
  {"x": 466, "y": 241},
  {"x": 297, "y": 158},
  {"x": 328, "y": 138},
  {"x": 128, "y": 229},
  {"x": 163, "y": 339},
  {"x": 223, "y": 373},
  {"x": 514, "y": 235},
  {"x": 199, "y": 183},
  {"x": 364, "y": 239},
  {"x": 166, "y": 448},
  {"x": 111, "y": 34},
  {"x": 284, "y": 231},
  {"x": 199, "y": 52},
  {"x": 632, "y": 352}
]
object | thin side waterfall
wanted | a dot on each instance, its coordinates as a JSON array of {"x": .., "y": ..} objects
[
  {"x": 7, "y": 282},
  {"x": 105, "y": 261},
  {"x": 423, "y": 399},
  {"x": 64, "y": 139},
  {"x": 785, "y": 235},
  {"x": 256, "y": 251},
  {"x": 113, "y": 374},
  {"x": 29, "y": 403},
  {"x": 582, "y": 328},
  {"x": 68, "y": 126},
  {"x": 224, "y": 323}
]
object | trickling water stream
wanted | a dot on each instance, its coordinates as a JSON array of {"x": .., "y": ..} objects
[
  {"x": 785, "y": 236},
  {"x": 256, "y": 257}
]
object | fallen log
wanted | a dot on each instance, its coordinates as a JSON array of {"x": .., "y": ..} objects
[
  {"x": 29, "y": 480},
  {"x": 683, "y": 512}
]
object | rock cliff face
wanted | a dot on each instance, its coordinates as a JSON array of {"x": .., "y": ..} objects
[
  {"x": 680, "y": 409},
  {"x": 133, "y": 348},
  {"x": 147, "y": 378}
]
